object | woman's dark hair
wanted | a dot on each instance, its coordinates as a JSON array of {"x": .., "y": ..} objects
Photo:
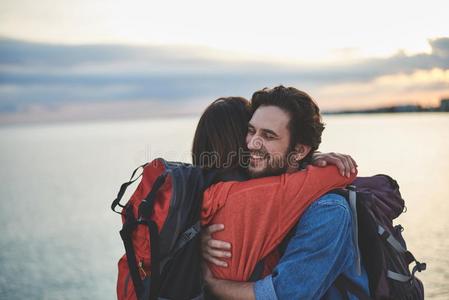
[
  {"x": 220, "y": 135},
  {"x": 305, "y": 120}
]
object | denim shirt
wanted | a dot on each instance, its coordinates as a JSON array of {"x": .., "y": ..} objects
[{"x": 321, "y": 249}]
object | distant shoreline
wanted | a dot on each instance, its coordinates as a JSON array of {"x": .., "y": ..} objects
[
  {"x": 153, "y": 111},
  {"x": 63, "y": 122},
  {"x": 373, "y": 112},
  {"x": 409, "y": 108}
]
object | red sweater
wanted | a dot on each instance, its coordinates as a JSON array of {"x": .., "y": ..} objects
[{"x": 259, "y": 213}]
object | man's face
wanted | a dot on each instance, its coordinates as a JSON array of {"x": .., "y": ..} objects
[{"x": 268, "y": 141}]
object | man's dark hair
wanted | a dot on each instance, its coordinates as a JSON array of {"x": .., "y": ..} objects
[
  {"x": 220, "y": 135},
  {"x": 305, "y": 120}
]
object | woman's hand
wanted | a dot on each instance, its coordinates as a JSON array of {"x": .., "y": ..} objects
[
  {"x": 345, "y": 163},
  {"x": 212, "y": 250}
]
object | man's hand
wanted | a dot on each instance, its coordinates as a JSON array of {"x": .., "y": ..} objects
[
  {"x": 345, "y": 163},
  {"x": 213, "y": 250}
]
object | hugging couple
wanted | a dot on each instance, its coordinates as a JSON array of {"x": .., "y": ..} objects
[{"x": 283, "y": 187}]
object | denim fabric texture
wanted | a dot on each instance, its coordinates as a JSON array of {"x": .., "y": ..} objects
[{"x": 320, "y": 249}]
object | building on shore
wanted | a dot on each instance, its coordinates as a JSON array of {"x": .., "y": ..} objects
[{"x": 444, "y": 105}]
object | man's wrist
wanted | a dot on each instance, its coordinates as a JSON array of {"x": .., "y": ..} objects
[
  {"x": 226, "y": 289},
  {"x": 211, "y": 286}
]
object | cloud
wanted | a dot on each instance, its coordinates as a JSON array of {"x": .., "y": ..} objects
[
  {"x": 440, "y": 47},
  {"x": 401, "y": 63},
  {"x": 21, "y": 53},
  {"x": 420, "y": 87},
  {"x": 52, "y": 75}
]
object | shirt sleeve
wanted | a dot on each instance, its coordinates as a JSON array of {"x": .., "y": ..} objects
[{"x": 318, "y": 252}]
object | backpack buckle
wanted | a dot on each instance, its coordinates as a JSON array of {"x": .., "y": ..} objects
[
  {"x": 419, "y": 267},
  {"x": 189, "y": 233}
]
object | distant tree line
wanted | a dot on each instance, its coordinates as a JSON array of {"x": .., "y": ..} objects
[{"x": 444, "y": 107}]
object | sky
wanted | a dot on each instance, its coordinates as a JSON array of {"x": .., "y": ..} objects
[{"x": 59, "y": 56}]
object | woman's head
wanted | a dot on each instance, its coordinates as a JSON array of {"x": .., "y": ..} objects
[{"x": 220, "y": 134}]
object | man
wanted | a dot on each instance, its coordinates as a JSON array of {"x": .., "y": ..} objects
[{"x": 282, "y": 133}]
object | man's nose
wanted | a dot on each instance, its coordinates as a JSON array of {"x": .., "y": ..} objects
[{"x": 255, "y": 142}]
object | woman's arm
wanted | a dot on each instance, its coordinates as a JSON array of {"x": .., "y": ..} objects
[
  {"x": 321, "y": 248},
  {"x": 214, "y": 250},
  {"x": 259, "y": 213}
]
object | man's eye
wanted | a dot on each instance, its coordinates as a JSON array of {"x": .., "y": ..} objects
[
  {"x": 250, "y": 130},
  {"x": 269, "y": 136}
]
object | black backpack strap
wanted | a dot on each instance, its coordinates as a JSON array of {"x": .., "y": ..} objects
[
  {"x": 187, "y": 236},
  {"x": 345, "y": 285},
  {"x": 183, "y": 239},
  {"x": 126, "y": 233},
  {"x": 145, "y": 210},
  {"x": 155, "y": 260},
  {"x": 146, "y": 206},
  {"x": 342, "y": 290},
  {"x": 123, "y": 188}
]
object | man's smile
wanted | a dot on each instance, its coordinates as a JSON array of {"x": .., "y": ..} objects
[{"x": 256, "y": 157}]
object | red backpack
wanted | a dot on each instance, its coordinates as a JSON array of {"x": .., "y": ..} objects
[{"x": 160, "y": 233}]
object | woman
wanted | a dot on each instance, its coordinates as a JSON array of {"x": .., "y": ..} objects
[{"x": 219, "y": 143}]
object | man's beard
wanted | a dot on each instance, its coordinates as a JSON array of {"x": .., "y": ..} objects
[{"x": 274, "y": 165}]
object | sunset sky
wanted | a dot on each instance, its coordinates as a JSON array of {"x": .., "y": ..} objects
[{"x": 59, "y": 56}]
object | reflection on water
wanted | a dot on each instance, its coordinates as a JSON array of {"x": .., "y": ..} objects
[{"x": 59, "y": 240}]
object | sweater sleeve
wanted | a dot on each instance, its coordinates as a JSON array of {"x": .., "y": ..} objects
[{"x": 304, "y": 187}]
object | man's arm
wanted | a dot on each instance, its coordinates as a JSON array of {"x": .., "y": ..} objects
[
  {"x": 225, "y": 289},
  {"x": 320, "y": 249}
]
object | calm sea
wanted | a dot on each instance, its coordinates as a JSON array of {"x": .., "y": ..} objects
[{"x": 59, "y": 239}]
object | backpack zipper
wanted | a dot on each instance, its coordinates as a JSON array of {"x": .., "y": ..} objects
[{"x": 142, "y": 269}]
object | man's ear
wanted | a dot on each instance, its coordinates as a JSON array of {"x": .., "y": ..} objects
[{"x": 301, "y": 151}]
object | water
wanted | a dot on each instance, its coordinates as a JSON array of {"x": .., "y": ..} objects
[{"x": 59, "y": 239}]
